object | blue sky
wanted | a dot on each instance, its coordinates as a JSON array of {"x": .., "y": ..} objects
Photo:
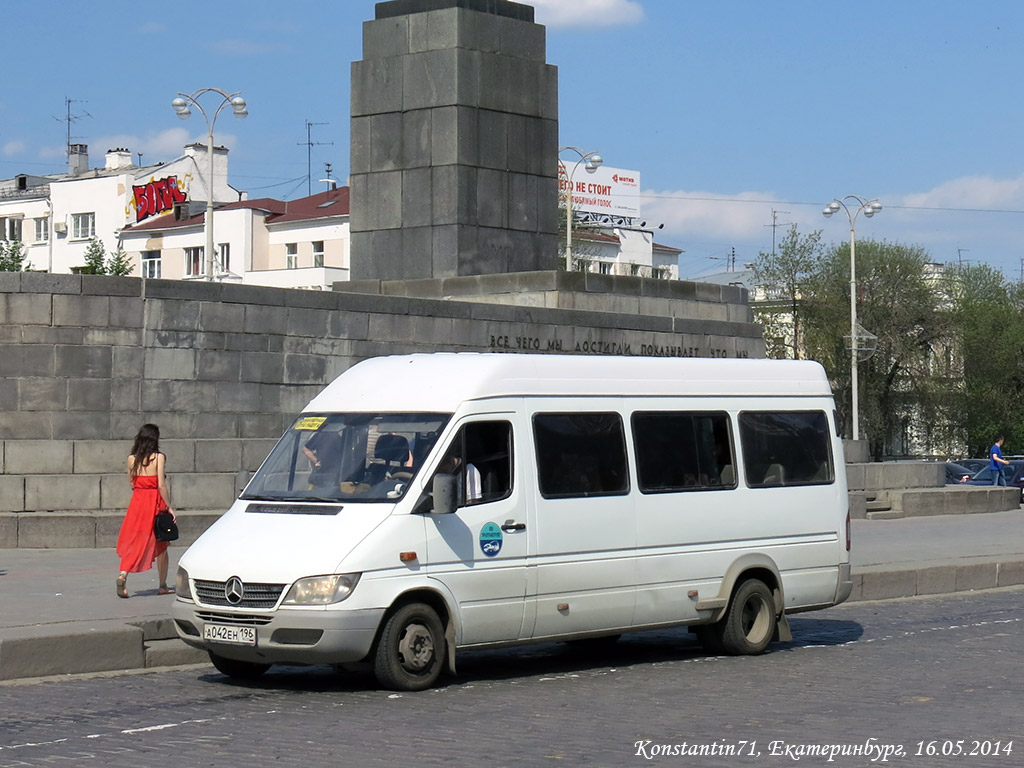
[{"x": 728, "y": 110}]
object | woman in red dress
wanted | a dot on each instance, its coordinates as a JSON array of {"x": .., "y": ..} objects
[{"x": 136, "y": 544}]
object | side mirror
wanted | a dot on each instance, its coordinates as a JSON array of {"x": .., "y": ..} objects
[{"x": 445, "y": 491}]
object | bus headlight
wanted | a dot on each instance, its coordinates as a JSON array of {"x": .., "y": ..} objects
[
  {"x": 322, "y": 590},
  {"x": 181, "y": 586}
]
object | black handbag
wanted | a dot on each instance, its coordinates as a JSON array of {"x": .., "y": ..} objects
[{"x": 164, "y": 526}]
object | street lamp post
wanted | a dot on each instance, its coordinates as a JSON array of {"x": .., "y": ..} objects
[
  {"x": 870, "y": 208},
  {"x": 590, "y": 161},
  {"x": 182, "y": 108}
]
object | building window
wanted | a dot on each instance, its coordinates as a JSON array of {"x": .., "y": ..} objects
[
  {"x": 83, "y": 225},
  {"x": 195, "y": 264},
  {"x": 318, "y": 253},
  {"x": 42, "y": 229},
  {"x": 292, "y": 257},
  {"x": 10, "y": 229},
  {"x": 151, "y": 264},
  {"x": 225, "y": 257}
]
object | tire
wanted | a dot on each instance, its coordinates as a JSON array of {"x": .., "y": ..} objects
[
  {"x": 411, "y": 651},
  {"x": 237, "y": 670},
  {"x": 749, "y": 624},
  {"x": 710, "y": 638}
]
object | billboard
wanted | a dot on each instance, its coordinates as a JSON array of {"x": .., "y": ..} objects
[{"x": 611, "y": 191}]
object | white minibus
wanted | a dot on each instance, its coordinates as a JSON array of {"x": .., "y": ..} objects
[{"x": 426, "y": 504}]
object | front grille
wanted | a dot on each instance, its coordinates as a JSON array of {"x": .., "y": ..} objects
[
  {"x": 240, "y": 619},
  {"x": 254, "y": 595}
]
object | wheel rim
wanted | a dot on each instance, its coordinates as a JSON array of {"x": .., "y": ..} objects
[
  {"x": 756, "y": 619},
  {"x": 416, "y": 647}
]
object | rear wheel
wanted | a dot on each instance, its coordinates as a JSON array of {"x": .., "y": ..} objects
[
  {"x": 749, "y": 624},
  {"x": 238, "y": 670},
  {"x": 411, "y": 649}
]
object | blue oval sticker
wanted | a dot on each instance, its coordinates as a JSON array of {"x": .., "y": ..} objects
[{"x": 490, "y": 539}]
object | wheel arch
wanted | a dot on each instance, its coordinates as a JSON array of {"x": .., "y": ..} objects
[
  {"x": 437, "y": 601},
  {"x": 754, "y": 566}
]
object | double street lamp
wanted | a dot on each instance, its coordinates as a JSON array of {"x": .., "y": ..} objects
[
  {"x": 182, "y": 106},
  {"x": 590, "y": 161},
  {"x": 870, "y": 208}
]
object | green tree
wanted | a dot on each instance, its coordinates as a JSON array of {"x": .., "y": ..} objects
[
  {"x": 12, "y": 256},
  {"x": 988, "y": 315},
  {"x": 900, "y": 295},
  {"x": 119, "y": 263},
  {"x": 780, "y": 280},
  {"x": 95, "y": 255}
]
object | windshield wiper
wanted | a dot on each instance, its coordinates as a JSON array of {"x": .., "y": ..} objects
[{"x": 327, "y": 499}]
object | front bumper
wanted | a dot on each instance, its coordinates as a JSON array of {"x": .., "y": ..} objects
[{"x": 283, "y": 636}]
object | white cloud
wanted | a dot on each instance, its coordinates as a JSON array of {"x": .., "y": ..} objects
[
  {"x": 588, "y": 13},
  {"x": 982, "y": 192},
  {"x": 155, "y": 147},
  {"x": 12, "y": 148},
  {"x": 151, "y": 28},
  {"x": 709, "y": 214}
]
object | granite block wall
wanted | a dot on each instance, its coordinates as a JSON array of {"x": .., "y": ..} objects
[{"x": 223, "y": 368}]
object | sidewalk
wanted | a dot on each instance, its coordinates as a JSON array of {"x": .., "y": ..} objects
[{"x": 59, "y": 613}]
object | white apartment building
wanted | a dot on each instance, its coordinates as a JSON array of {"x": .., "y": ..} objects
[
  {"x": 156, "y": 213},
  {"x": 623, "y": 251},
  {"x": 55, "y": 216},
  {"x": 300, "y": 243}
]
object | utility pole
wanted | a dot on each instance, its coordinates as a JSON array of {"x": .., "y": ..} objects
[{"x": 309, "y": 153}]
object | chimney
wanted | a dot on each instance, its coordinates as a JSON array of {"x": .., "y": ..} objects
[
  {"x": 78, "y": 159},
  {"x": 118, "y": 158}
]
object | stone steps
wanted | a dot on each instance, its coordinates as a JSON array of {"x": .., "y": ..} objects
[{"x": 74, "y": 529}]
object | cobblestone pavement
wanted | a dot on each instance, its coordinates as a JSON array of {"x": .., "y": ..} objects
[{"x": 876, "y": 674}]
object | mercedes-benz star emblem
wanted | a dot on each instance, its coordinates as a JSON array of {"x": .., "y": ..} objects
[{"x": 233, "y": 590}]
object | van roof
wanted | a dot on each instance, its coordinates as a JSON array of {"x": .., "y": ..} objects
[{"x": 440, "y": 381}]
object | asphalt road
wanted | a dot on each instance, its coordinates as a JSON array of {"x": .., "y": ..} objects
[{"x": 890, "y": 678}]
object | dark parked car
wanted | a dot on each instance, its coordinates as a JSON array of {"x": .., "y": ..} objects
[
  {"x": 974, "y": 465},
  {"x": 1013, "y": 472},
  {"x": 958, "y": 473}
]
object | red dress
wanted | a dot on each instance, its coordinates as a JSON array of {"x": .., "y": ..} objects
[{"x": 136, "y": 544}]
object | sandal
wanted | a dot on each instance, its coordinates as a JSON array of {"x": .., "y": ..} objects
[
  {"x": 122, "y": 591},
  {"x": 165, "y": 590}
]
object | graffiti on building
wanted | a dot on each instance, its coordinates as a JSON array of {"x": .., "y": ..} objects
[{"x": 157, "y": 196}]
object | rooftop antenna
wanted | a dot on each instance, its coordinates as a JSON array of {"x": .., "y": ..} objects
[
  {"x": 69, "y": 119},
  {"x": 309, "y": 153},
  {"x": 775, "y": 225},
  {"x": 331, "y": 183}
]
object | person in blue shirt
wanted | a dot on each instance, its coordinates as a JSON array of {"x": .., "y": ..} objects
[{"x": 997, "y": 462}]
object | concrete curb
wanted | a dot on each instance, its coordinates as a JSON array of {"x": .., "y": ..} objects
[{"x": 108, "y": 645}]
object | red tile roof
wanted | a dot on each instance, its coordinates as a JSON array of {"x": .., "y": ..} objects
[{"x": 333, "y": 202}]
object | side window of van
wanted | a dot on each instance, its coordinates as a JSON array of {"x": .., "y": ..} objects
[
  {"x": 481, "y": 457},
  {"x": 580, "y": 454},
  {"x": 782, "y": 448},
  {"x": 678, "y": 451}
]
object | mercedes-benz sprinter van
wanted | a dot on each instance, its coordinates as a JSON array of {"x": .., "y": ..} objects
[{"x": 426, "y": 504}]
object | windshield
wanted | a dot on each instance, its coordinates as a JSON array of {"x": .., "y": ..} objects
[{"x": 347, "y": 457}]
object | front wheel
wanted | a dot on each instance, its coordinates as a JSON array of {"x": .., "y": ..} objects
[
  {"x": 237, "y": 670},
  {"x": 411, "y": 649},
  {"x": 749, "y": 624}
]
